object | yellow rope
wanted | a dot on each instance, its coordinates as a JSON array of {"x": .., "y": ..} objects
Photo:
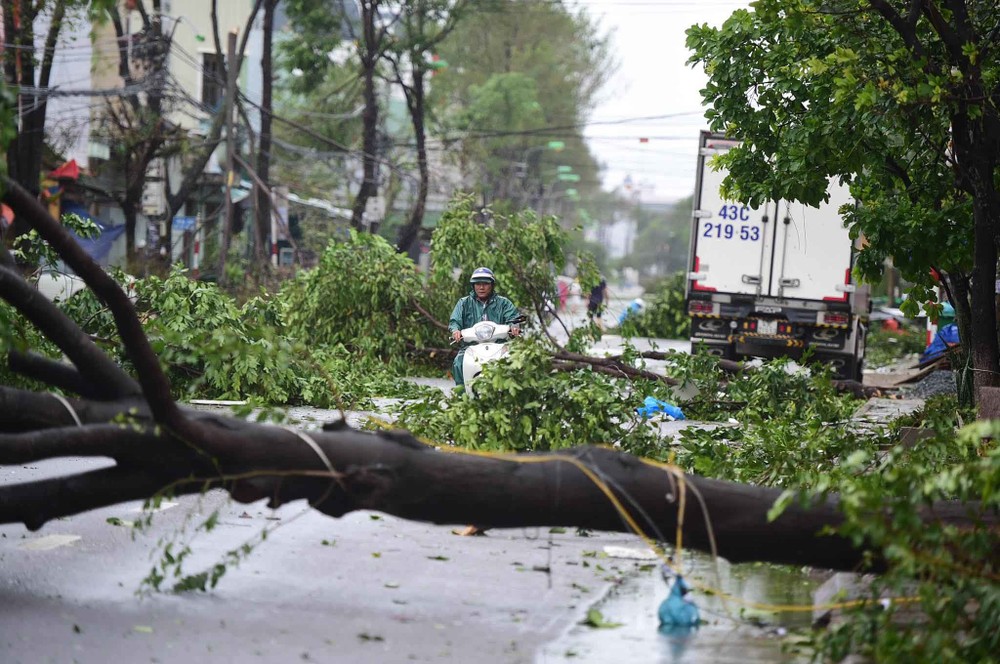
[{"x": 678, "y": 474}]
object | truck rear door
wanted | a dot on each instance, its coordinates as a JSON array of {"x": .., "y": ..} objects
[
  {"x": 729, "y": 245},
  {"x": 812, "y": 250}
]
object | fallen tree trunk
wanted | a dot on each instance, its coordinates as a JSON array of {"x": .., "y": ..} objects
[
  {"x": 160, "y": 448},
  {"x": 344, "y": 470}
]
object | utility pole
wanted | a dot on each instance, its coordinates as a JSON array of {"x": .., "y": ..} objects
[{"x": 231, "y": 72}]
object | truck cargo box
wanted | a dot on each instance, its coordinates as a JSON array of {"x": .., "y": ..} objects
[{"x": 774, "y": 280}]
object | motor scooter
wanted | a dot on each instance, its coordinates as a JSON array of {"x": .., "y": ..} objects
[{"x": 486, "y": 339}]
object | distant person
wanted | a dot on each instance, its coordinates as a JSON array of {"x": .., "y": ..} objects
[
  {"x": 634, "y": 308},
  {"x": 563, "y": 288},
  {"x": 596, "y": 302}
]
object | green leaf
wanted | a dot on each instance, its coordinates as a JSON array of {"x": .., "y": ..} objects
[{"x": 596, "y": 620}]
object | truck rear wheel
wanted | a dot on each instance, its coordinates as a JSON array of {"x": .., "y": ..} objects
[{"x": 843, "y": 365}]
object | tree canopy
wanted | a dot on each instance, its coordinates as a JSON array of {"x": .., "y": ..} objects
[{"x": 519, "y": 75}]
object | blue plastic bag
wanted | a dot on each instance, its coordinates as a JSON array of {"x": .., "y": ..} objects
[
  {"x": 678, "y": 609},
  {"x": 651, "y": 406}
]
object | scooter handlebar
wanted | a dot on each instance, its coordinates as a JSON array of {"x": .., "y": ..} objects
[{"x": 495, "y": 332}]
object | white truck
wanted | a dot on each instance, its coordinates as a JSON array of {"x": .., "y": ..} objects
[{"x": 775, "y": 280}]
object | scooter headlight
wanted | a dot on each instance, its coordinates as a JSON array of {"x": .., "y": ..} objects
[{"x": 484, "y": 331}]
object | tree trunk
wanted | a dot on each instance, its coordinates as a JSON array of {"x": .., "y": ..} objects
[
  {"x": 415, "y": 101},
  {"x": 227, "y": 223},
  {"x": 264, "y": 154},
  {"x": 977, "y": 163},
  {"x": 24, "y": 152},
  {"x": 369, "y": 155},
  {"x": 395, "y": 474},
  {"x": 166, "y": 450},
  {"x": 34, "y": 120}
]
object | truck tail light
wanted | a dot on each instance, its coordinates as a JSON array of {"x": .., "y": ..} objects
[
  {"x": 834, "y": 318},
  {"x": 698, "y": 307},
  {"x": 785, "y": 328}
]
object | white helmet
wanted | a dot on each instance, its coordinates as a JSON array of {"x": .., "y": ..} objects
[{"x": 482, "y": 275}]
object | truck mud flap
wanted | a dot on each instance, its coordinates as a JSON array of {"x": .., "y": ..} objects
[
  {"x": 716, "y": 329},
  {"x": 833, "y": 338}
]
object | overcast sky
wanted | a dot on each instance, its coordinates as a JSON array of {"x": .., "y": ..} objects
[{"x": 653, "y": 81}]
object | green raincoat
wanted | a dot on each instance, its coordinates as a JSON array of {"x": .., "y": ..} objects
[{"x": 469, "y": 311}]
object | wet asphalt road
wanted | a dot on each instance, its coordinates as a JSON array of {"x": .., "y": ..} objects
[{"x": 363, "y": 588}]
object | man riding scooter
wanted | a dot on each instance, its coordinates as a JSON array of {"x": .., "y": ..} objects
[{"x": 481, "y": 304}]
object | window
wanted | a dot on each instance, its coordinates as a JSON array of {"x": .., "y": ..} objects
[{"x": 213, "y": 82}]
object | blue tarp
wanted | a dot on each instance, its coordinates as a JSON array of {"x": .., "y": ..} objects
[
  {"x": 946, "y": 337},
  {"x": 97, "y": 247}
]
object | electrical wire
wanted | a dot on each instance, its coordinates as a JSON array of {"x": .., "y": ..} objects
[{"x": 677, "y": 474}]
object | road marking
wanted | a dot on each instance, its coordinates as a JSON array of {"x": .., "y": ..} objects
[{"x": 49, "y": 542}]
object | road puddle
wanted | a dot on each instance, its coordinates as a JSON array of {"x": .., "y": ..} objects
[{"x": 733, "y": 629}]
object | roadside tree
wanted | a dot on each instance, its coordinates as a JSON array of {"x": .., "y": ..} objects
[
  {"x": 898, "y": 99},
  {"x": 521, "y": 75},
  {"x": 27, "y": 65},
  {"x": 423, "y": 24}
]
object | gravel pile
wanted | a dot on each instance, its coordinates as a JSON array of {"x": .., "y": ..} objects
[{"x": 938, "y": 382}]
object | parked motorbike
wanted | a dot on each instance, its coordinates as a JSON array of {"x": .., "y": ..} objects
[{"x": 486, "y": 339}]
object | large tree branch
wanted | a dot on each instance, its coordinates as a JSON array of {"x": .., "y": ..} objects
[
  {"x": 953, "y": 36},
  {"x": 904, "y": 28},
  {"x": 112, "y": 382},
  {"x": 346, "y": 470},
  {"x": 22, "y": 410},
  {"x": 614, "y": 363},
  {"x": 118, "y": 441},
  {"x": 154, "y": 383},
  {"x": 36, "y": 503},
  {"x": 429, "y": 316},
  {"x": 57, "y": 374}
]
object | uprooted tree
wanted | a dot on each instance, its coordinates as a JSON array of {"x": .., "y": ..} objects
[{"x": 159, "y": 447}]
